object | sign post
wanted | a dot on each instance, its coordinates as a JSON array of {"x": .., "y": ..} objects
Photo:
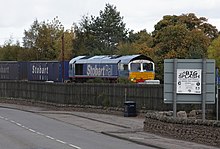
[
  {"x": 174, "y": 88},
  {"x": 204, "y": 88},
  {"x": 189, "y": 81}
]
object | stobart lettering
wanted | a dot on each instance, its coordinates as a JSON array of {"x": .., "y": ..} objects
[
  {"x": 39, "y": 70},
  {"x": 4, "y": 69},
  {"x": 99, "y": 71}
]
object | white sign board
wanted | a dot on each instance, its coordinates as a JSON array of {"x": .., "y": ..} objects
[{"x": 189, "y": 81}]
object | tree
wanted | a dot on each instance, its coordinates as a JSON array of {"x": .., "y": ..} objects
[
  {"x": 85, "y": 42},
  {"x": 102, "y": 34},
  {"x": 43, "y": 38},
  {"x": 109, "y": 28},
  {"x": 197, "y": 44},
  {"x": 69, "y": 37},
  {"x": 214, "y": 51},
  {"x": 190, "y": 21},
  {"x": 29, "y": 40},
  {"x": 10, "y": 51},
  {"x": 184, "y": 36},
  {"x": 171, "y": 42},
  {"x": 137, "y": 43}
]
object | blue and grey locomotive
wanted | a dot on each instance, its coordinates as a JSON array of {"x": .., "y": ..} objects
[{"x": 136, "y": 68}]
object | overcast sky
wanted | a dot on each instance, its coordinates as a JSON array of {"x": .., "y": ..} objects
[{"x": 18, "y": 15}]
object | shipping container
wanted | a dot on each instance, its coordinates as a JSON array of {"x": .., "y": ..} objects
[
  {"x": 48, "y": 71},
  {"x": 13, "y": 70}
]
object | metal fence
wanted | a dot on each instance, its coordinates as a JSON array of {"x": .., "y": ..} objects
[
  {"x": 147, "y": 97},
  {"x": 112, "y": 95}
]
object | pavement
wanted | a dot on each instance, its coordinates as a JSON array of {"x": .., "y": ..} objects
[{"x": 126, "y": 128}]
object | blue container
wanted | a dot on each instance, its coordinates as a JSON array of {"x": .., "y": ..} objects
[
  {"x": 23, "y": 70},
  {"x": 47, "y": 71},
  {"x": 64, "y": 73},
  {"x": 9, "y": 70}
]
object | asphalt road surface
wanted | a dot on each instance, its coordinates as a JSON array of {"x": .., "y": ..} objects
[{"x": 26, "y": 130}]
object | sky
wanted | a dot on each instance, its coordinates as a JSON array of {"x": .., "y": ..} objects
[{"x": 18, "y": 15}]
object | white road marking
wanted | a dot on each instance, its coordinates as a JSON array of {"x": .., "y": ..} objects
[
  {"x": 74, "y": 146},
  {"x": 12, "y": 121},
  {"x": 24, "y": 127},
  {"x": 60, "y": 141},
  {"x": 39, "y": 133},
  {"x": 18, "y": 124},
  {"x": 137, "y": 138},
  {"x": 32, "y": 130},
  {"x": 50, "y": 137}
]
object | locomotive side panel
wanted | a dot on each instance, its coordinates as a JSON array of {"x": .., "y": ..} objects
[{"x": 93, "y": 70}]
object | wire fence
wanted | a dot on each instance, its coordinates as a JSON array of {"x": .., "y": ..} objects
[{"x": 147, "y": 97}]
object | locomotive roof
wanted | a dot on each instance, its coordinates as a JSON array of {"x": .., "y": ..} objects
[{"x": 125, "y": 59}]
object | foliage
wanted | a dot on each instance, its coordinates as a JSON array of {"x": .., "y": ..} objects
[
  {"x": 11, "y": 52},
  {"x": 44, "y": 38},
  {"x": 197, "y": 44},
  {"x": 95, "y": 80},
  {"x": 137, "y": 43},
  {"x": 85, "y": 42},
  {"x": 124, "y": 80},
  {"x": 184, "y": 36},
  {"x": 214, "y": 51},
  {"x": 100, "y": 35},
  {"x": 126, "y": 48},
  {"x": 190, "y": 21}
]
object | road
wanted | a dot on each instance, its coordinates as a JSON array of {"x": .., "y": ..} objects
[{"x": 26, "y": 130}]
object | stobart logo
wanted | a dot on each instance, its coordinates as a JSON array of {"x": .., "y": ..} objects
[
  {"x": 39, "y": 70},
  {"x": 99, "y": 71},
  {"x": 4, "y": 69}
]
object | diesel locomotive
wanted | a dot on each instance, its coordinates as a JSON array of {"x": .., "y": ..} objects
[{"x": 137, "y": 68}]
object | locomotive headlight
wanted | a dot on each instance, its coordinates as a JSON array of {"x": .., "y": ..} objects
[{"x": 133, "y": 79}]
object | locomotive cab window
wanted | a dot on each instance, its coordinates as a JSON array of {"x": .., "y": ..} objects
[
  {"x": 135, "y": 67},
  {"x": 147, "y": 67}
]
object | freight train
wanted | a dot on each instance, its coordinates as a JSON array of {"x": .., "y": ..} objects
[{"x": 136, "y": 68}]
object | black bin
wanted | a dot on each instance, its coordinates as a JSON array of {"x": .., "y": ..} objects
[{"x": 129, "y": 108}]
